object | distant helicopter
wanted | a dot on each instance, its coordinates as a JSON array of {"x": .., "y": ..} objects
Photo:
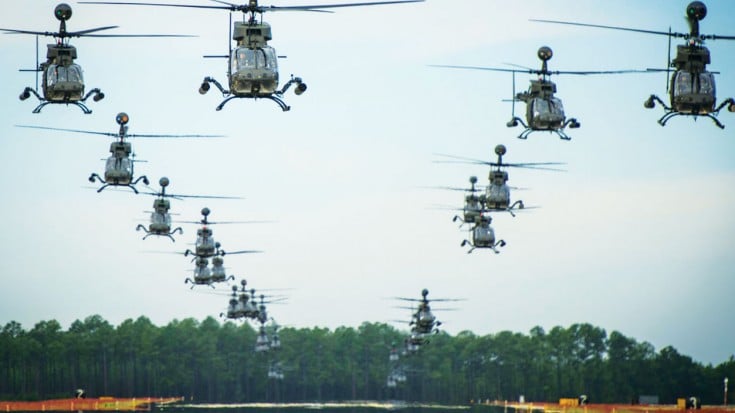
[
  {"x": 483, "y": 235},
  {"x": 241, "y": 304},
  {"x": 119, "y": 166},
  {"x": 423, "y": 322},
  {"x": 691, "y": 88},
  {"x": 160, "y": 220},
  {"x": 252, "y": 72},
  {"x": 203, "y": 275},
  {"x": 205, "y": 246},
  {"x": 63, "y": 82},
  {"x": 497, "y": 193},
  {"x": 544, "y": 111}
]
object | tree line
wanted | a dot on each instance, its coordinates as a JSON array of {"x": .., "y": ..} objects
[{"x": 210, "y": 361}]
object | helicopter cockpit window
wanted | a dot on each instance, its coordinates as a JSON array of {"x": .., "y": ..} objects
[
  {"x": 118, "y": 165},
  {"x": 159, "y": 218},
  {"x": 249, "y": 59},
  {"x": 548, "y": 107},
  {"x": 687, "y": 83},
  {"x": 58, "y": 73}
]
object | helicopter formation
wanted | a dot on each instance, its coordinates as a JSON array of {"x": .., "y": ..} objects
[
  {"x": 496, "y": 198},
  {"x": 252, "y": 73}
]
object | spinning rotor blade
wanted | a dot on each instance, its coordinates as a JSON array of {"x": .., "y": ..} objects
[
  {"x": 612, "y": 27},
  {"x": 223, "y": 253},
  {"x": 143, "y": 135},
  {"x": 88, "y": 33},
  {"x": 544, "y": 72},
  {"x": 527, "y": 165},
  {"x": 669, "y": 33},
  {"x": 224, "y": 222},
  {"x": 115, "y": 135},
  {"x": 247, "y": 8}
]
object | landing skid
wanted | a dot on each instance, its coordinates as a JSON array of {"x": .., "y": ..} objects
[
  {"x": 98, "y": 95},
  {"x": 275, "y": 97},
  {"x": 670, "y": 112},
  {"x": 160, "y": 234},
  {"x": 94, "y": 177},
  {"x": 493, "y": 247},
  {"x": 194, "y": 283},
  {"x": 571, "y": 122}
]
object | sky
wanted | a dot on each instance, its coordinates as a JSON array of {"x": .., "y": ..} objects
[{"x": 635, "y": 236}]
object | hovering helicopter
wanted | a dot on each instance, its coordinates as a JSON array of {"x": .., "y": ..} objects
[
  {"x": 240, "y": 305},
  {"x": 497, "y": 193},
  {"x": 275, "y": 371},
  {"x": 252, "y": 72},
  {"x": 119, "y": 166},
  {"x": 423, "y": 322},
  {"x": 203, "y": 275},
  {"x": 205, "y": 246},
  {"x": 483, "y": 235},
  {"x": 544, "y": 111},
  {"x": 691, "y": 88},
  {"x": 63, "y": 82},
  {"x": 160, "y": 220}
]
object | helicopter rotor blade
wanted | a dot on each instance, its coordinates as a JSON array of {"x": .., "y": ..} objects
[
  {"x": 14, "y": 31},
  {"x": 246, "y": 8},
  {"x": 242, "y": 252},
  {"x": 513, "y": 100},
  {"x": 85, "y": 32},
  {"x": 38, "y": 65},
  {"x": 140, "y": 35},
  {"x": 144, "y": 135},
  {"x": 669, "y": 33},
  {"x": 668, "y": 62},
  {"x": 69, "y": 130}
]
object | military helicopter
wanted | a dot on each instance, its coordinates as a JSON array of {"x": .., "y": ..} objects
[
  {"x": 497, "y": 193},
  {"x": 119, "y": 166},
  {"x": 63, "y": 82},
  {"x": 252, "y": 72},
  {"x": 160, "y": 220},
  {"x": 241, "y": 304},
  {"x": 423, "y": 322},
  {"x": 205, "y": 246},
  {"x": 203, "y": 275},
  {"x": 544, "y": 111},
  {"x": 691, "y": 88},
  {"x": 483, "y": 235}
]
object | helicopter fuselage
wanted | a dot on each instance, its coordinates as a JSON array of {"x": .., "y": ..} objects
[
  {"x": 62, "y": 78},
  {"x": 483, "y": 236},
  {"x": 253, "y": 71}
]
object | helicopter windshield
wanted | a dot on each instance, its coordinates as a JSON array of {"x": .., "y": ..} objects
[
  {"x": 548, "y": 110},
  {"x": 249, "y": 59},
  {"x": 58, "y": 73},
  {"x": 119, "y": 165},
  {"x": 686, "y": 83},
  {"x": 160, "y": 218},
  {"x": 483, "y": 235}
]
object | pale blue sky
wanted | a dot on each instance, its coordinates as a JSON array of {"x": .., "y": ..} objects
[{"x": 635, "y": 237}]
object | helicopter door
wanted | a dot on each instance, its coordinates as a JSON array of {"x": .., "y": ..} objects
[
  {"x": 694, "y": 93},
  {"x": 546, "y": 113},
  {"x": 64, "y": 82},
  {"x": 254, "y": 70}
]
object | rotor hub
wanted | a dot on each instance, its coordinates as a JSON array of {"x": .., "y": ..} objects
[{"x": 63, "y": 12}]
